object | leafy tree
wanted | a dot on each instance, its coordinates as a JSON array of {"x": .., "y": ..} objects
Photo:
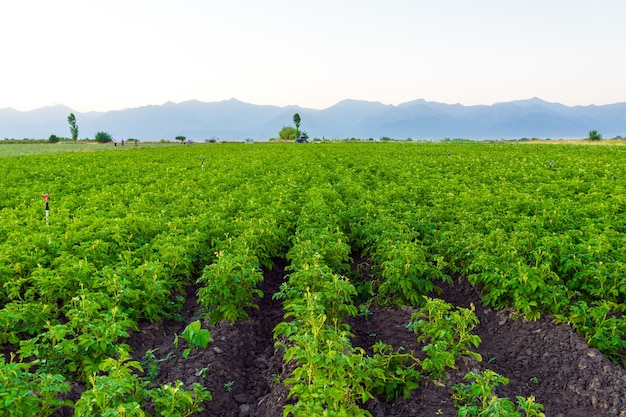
[
  {"x": 53, "y": 139},
  {"x": 594, "y": 135},
  {"x": 287, "y": 133},
  {"x": 296, "y": 121},
  {"x": 103, "y": 137},
  {"x": 182, "y": 139},
  {"x": 71, "y": 119}
]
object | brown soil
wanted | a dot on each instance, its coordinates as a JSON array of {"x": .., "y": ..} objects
[{"x": 244, "y": 373}]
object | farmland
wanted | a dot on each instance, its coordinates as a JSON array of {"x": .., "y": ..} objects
[
  {"x": 331, "y": 279},
  {"x": 27, "y": 148}
]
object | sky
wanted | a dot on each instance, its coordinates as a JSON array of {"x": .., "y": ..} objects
[{"x": 100, "y": 55}]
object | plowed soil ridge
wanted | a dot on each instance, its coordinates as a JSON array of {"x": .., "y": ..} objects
[{"x": 244, "y": 373}]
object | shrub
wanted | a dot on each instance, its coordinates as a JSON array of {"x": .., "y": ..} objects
[
  {"x": 103, "y": 137},
  {"x": 594, "y": 135}
]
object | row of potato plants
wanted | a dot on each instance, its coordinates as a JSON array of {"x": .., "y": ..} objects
[
  {"x": 546, "y": 241},
  {"x": 260, "y": 235},
  {"x": 330, "y": 375},
  {"x": 114, "y": 252},
  {"x": 129, "y": 230},
  {"x": 405, "y": 272},
  {"x": 537, "y": 240}
]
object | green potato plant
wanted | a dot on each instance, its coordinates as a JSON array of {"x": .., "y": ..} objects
[
  {"x": 479, "y": 399},
  {"x": 195, "y": 336}
]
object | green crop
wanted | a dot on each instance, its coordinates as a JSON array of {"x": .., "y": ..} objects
[
  {"x": 230, "y": 285},
  {"x": 26, "y": 393},
  {"x": 447, "y": 332},
  {"x": 116, "y": 390},
  {"x": 174, "y": 401},
  {"x": 479, "y": 399},
  {"x": 195, "y": 336},
  {"x": 129, "y": 232},
  {"x": 602, "y": 325}
]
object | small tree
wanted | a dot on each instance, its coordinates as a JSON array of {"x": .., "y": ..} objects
[
  {"x": 71, "y": 119},
  {"x": 182, "y": 139},
  {"x": 288, "y": 133},
  {"x": 103, "y": 137},
  {"x": 594, "y": 135},
  {"x": 53, "y": 139},
  {"x": 296, "y": 121}
]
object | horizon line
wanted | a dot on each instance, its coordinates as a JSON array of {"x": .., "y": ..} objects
[{"x": 530, "y": 99}]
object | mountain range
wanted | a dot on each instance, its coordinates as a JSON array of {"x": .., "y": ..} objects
[{"x": 235, "y": 120}]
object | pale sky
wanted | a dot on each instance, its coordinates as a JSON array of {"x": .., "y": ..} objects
[{"x": 115, "y": 54}]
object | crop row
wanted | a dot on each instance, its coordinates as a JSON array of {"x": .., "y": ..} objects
[
  {"x": 120, "y": 251},
  {"x": 128, "y": 231}
]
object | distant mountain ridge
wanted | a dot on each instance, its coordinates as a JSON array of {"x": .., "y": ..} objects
[{"x": 235, "y": 120}]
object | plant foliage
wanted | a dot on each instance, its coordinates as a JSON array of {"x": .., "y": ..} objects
[{"x": 127, "y": 234}]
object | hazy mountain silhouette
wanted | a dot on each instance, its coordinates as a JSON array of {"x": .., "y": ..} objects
[{"x": 236, "y": 120}]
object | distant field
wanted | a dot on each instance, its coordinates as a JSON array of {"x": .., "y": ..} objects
[
  {"x": 19, "y": 149},
  {"x": 612, "y": 142}
]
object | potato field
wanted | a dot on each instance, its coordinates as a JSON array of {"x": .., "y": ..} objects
[{"x": 324, "y": 279}]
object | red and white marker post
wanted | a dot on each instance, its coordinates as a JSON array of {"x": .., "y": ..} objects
[{"x": 46, "y": 197}]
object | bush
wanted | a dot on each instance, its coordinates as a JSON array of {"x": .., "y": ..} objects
[
  {"x": 594, "y": 135},
  {"x": 53, "y": 139},
  {"x": 103, "y": 137},
  {"x": 288, "y": 133}
]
